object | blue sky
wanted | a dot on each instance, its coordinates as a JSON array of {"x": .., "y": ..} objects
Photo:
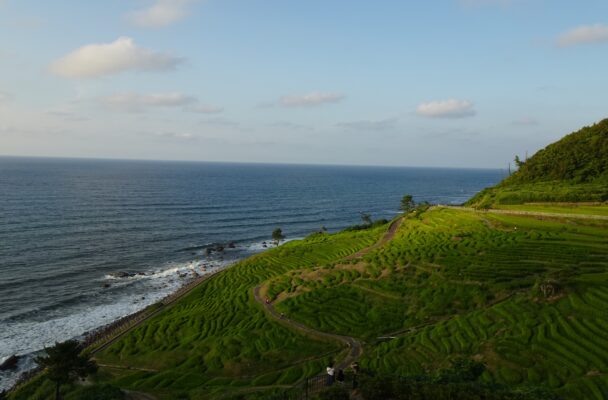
[{"x": 460, "y": 83}]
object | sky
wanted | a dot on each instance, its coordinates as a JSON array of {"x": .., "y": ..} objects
[{"x": 447, "y": 83}]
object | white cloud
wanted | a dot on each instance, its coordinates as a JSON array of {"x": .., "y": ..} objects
[
  {"x": 161, "y": 13},
  {"x": 584, "y": 35},
  {"x": 134, "y": 102},
  {"x": 100, "y": 59},
  {"x": 310, "y": 99},
  {"x": 177, "y": 135},
  {"x": 370, "y": 125},
  {"x": 446, "y": 109},
  {"x": 205, "y": 109},
  {"x": 5, "y": 97}
]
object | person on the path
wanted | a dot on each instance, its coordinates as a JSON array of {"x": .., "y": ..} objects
[
  {"x": 355, "y": 367},
  {"x": 356, "y": 370},
  {"x": 330, "y": 374},
  {"x": 340, "y": 377}
]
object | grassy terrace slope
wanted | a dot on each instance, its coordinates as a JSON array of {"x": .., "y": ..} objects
[
  {"x": 217, "y": 339},
  {"x": 463, "y": 283},
  {"x": 579, "y": 209},
  {"x": 526, "y": 295}
]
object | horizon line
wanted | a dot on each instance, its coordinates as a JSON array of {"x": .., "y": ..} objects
[{"x": 242, "y": 162}]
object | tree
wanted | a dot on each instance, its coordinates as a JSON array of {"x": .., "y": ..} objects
[
  {"x": 277, "y": 236},
  {"x": 64, "y": 363},
  {"x": 407, "y": 203},
  {"x": 366, "y": 218},
  {"x": 519, "y": 162}
]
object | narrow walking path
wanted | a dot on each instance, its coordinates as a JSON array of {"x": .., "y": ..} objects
[
  {"x": 131, "y": 395},
  {"x": 354, "y": 345},
  {"x": 530, "y": 213},
  {"x": 389, "y": 235}
]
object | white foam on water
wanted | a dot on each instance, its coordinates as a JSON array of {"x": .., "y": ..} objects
[{"x": 26, "y": 338}]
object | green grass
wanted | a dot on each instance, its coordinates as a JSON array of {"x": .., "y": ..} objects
[
  {"x": 218, "y": 339},
  {"x": 468, "y": 284},
  {"x": 451, "y": 283},
  {"x": 540, "y": 192},
  {"x": 583, "y": 209}
]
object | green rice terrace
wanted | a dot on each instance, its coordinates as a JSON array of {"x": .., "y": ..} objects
[{"x": 526, "y": 295}]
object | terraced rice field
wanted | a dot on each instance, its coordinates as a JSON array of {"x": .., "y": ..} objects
[
  {"x": 584, "y": 209},
  {"x": 459, "y": 283},
  {"x": 217, "y": 339},
  {"x": 527, "y": 296}
]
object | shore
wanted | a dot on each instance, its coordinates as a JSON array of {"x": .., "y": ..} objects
[{"x": 100, "y": 338}]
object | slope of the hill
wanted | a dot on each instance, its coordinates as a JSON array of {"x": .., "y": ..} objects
[
  {"x": 573, "y": 169},
  {"x": 217, "y": 339},
  {"x": 525, "y": 295}
]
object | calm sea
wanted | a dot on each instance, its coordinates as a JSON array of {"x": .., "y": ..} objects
[{"x": 84, "y": 242}]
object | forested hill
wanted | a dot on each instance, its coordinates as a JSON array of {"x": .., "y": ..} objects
[
  {"x": 581, "y": 157},
  {"x": 573, "y": 169}
]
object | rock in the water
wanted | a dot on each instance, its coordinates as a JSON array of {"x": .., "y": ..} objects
[
  {"x": 231, "y": 245},
  {"x": 9, "y": 363},
  {"x": 122, "y": 274}
]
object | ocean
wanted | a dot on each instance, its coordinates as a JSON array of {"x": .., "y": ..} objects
[{"x": 85, "y": 242}]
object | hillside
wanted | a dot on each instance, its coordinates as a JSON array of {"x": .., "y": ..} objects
[
  {"x": 526, "y": 296},
  {"x": 573, "y": 169}
]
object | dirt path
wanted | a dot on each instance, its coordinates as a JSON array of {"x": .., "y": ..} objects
[
  {"x": 138, "y": 395},
  {"x": 389, "y": 235},
  {"x": 530, "y": 213},
  {"x": 354, "y": 345}
]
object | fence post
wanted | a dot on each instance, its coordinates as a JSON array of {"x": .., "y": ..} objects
[{"x": 307, "y": 388}]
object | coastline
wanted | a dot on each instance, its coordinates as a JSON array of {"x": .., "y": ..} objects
[
  {"x": 103, "y": 336},
  {"x": 98, "y": 339}
]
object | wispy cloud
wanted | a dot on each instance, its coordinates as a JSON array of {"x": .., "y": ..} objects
[
  {"x": 5, "y": 97},
  {"x": 95, "y": 60},
  {"x": 525, "y": 121},
  {"x": 585, "y": 34},
  {"x": 160, "y": 14},
  {"x": 290, "y": 126},
  {"x": 135, "y": 102},
  {"x": 370, "y": 125},
  {"x": 177, "y": 135},
  {"x": 310, "y": 99},
  {"x": 452, "y": 108},
  {"x": 67, "y": 115},
  {"x": 205, "y": 109}
]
